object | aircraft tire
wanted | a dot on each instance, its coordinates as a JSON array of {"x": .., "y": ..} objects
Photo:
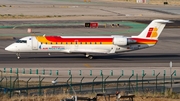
[{"x": 90, "y": 57}]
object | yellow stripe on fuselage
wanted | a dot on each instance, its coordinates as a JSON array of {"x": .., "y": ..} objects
[{"x": 42, "y": 39}]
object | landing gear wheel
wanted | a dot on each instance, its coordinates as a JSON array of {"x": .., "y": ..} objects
[
  {"x": 90, "y": 57},
  {"x": 87, "y": 55},
  {"x": 18, "y": 55}
]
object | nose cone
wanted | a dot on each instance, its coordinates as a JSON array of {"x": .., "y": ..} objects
[{"x": 10, "y": 48}]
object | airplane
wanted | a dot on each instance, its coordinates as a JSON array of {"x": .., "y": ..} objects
[{"x": 89, "y": 45}]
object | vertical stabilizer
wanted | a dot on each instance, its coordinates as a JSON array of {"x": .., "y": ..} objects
[{"x": 154, "y": 29}]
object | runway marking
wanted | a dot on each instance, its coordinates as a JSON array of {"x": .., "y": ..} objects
[{"x": 87, "y": 65}]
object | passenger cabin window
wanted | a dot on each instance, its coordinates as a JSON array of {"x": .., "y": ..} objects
[{"x": 21, "y": 41}]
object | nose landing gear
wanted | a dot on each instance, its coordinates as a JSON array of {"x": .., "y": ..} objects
[{"x": 18, "y": 55}]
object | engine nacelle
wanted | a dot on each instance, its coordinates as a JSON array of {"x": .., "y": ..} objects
[{"x": 123, "y": 41}]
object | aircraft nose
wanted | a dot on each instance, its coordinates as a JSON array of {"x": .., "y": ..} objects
[{"x": 9, "y": 48}]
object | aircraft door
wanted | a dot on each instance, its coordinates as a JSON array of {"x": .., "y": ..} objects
[{"x": 34, "y": 43}]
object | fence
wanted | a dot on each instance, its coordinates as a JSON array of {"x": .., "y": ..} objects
[
  {"x": 34, "y": 84},
  {"x": 87, "y": 72}
]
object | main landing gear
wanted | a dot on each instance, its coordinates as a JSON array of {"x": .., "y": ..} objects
[
  {"x": 18, "y": 55},
  {"x": 89, "y": 56}
]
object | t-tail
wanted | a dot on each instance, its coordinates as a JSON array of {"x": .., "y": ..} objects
[{"x": 154, "y": 29}]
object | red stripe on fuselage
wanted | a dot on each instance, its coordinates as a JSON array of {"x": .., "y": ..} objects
[
  {"x": 60, "y": 39},
  {"x": 139, "y": 40}
]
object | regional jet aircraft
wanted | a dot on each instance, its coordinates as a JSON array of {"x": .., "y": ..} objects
[{"x": 89, "y": 45}]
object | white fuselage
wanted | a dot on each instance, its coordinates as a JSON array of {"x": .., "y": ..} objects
[{"x": 32, "y": 45}]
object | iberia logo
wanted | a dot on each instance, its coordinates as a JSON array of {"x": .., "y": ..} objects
[{"x": 152, "y": 33}]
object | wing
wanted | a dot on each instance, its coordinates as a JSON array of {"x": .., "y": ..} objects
[{"x": 83, "y": 51}]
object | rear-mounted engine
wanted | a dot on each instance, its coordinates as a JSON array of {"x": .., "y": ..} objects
[{"x": 122, "y": 41}]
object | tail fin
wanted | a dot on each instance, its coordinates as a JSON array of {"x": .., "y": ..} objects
[{"x": 154, "y": 29}]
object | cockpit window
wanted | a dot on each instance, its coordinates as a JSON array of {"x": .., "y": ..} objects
[{"x": 21, "y": 41}]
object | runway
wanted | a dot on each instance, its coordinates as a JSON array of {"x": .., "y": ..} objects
[{"x": 104, "y": 60}]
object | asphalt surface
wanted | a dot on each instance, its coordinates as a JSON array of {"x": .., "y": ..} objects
[
  {"x": 118, "y": 60},
  {"x": 72, "y": 24},
  {"x": 71, "y": 58}
]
